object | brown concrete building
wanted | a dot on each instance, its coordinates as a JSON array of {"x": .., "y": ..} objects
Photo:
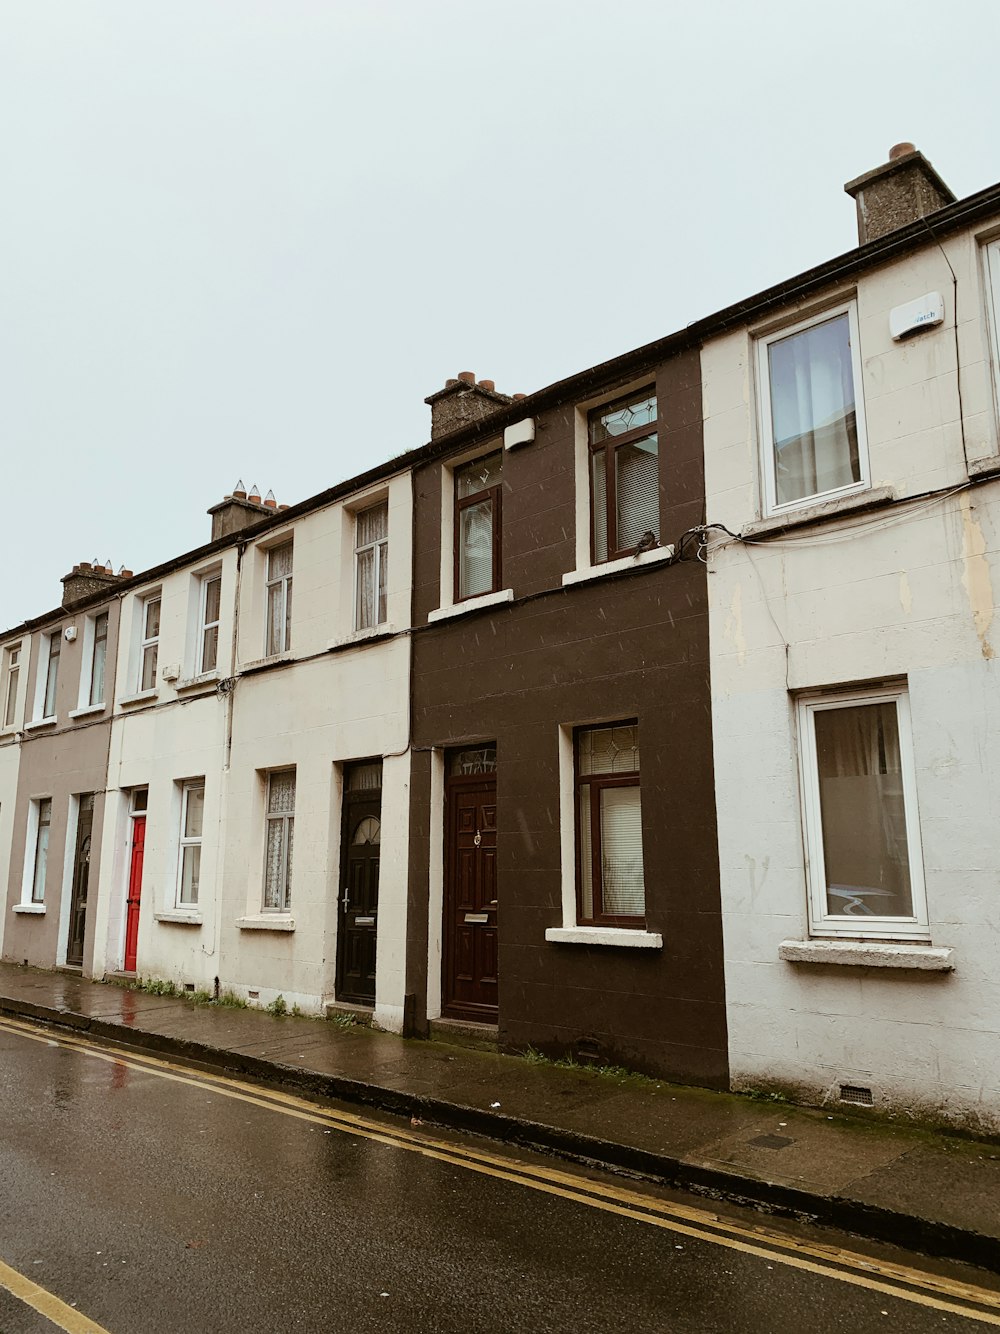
[
  {"x": 58, "y": 717},
  {"x": 564, "y": 876}
]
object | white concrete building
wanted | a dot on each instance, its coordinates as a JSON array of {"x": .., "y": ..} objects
[
  {"x": 240, "y": 715},
  {"x": 851, "y": 440}
]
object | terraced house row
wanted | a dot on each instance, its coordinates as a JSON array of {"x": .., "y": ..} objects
[{"x": 652, "y": 717}]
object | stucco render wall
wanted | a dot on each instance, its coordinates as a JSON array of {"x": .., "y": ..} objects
[
  {"x": 907, "y": 595},
  {"x": 9, "y": 758}
]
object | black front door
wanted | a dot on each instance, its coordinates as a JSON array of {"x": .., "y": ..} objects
[
  {"x": 360, "y": 844},
  {"x": 81, "y": 879}
]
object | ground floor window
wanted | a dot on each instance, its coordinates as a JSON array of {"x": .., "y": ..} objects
[
  {"x": 609, "y": 871},
  {"x": 279, "y": 835},
  {"x": 860, "y": 809}
]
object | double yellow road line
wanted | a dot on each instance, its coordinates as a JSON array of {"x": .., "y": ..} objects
[{"x": 892, "y": 1280}]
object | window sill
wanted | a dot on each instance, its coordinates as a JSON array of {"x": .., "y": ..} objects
[
  {"x": 829, "y": 509},
  {"x": 88, "y": 710},
  {"x": 140, "y": 697},
  {"x": 9, "y": 731},
  {"x": 271, "y": 660},
  {"x": 868, "y": 954},
  {"x": 193, "y": 682},
  {"x": 266, "y": 923},
  {"x": 382, "y": 631},
  {"x": 471, "y": 604},
  {"x": 605, "y": 935},
  {"x": 34, "y": 909},
  {"x": 653, "y": 557},
  {"x": 178, "y": 917},
  {"x": 986, "y": 467},
  {"x": 37, "y": 724}
]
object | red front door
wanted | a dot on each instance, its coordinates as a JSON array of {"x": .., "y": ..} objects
[{"x": 134, "y": 892}]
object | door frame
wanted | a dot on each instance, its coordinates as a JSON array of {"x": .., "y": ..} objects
[
  {"x": 349, "y": 802},
  {"x": 72, "y": 846}
]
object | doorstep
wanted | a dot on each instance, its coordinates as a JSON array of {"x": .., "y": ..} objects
[
  {"x": 363, "y": 1015},
  {"x": 465, "y": 1033}
]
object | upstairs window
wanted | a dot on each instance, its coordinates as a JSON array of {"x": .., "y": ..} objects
[
  {"x": 208, "y": 634},
  {"x": 41, "y": 862},
  {"x": 51, "y": 675},
  {"x": 11, "y": 678},
  {"x": 812, "y": 419},
  {"x": 98, "y": 659},
  {"x": 192, "y": 824},
  {"x": 371, "y": 565},
  {"x": 279, "y": 599},
  {"x": 610, "y": 882},
  {"x": 624, "y": 476},
  {"x": 149, "y": 645},
  {"x": 278, "y": 840},
  {"x": 478, "y": 560}
]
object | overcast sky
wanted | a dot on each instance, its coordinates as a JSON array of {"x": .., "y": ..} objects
[{"x": 245, "y": 239}]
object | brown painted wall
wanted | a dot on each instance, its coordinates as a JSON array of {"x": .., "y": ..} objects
[
  {"x": 65, "y": 761},
  {"x": 618, "y": 647}
]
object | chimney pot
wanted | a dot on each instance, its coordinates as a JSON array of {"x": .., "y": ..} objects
[
  {"x": 517, "y": 397},
  {"x": 487, "y": 384},
  {"x": 467, "y": 377},
  {"x": 901, "y": 150},
  {"x": 254, "y": 496},
  {"x": 270, "y": 501},
  {"x": 240, "y": 493},
  {"x": 283, "y": 507},
  {"x": 124, "y": 574},
  {"x": 450, "y": 384}
]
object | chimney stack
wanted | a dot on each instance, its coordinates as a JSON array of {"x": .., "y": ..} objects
[
  {"x": 906, "y": 188},
  {"x": 89, "y": 578},
  {"x": 239, "y": 510},
  {"x": 463, "y": 401}
]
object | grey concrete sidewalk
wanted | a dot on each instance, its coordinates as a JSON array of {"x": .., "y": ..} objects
[{"x": 936, "y": 1193}]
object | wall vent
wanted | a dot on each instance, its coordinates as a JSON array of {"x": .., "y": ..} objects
[{"x": 857, "y": 1094}]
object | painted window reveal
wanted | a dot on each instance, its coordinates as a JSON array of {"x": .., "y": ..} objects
[
  {"x": 278, "y": 840},
  {"x": 149, "y": 645},
  {"x": 98, "y": 659},
  {"x": 478, "y": 555},
  {"x": 610, "y": 882},
  {"x": 208, "y": 634},
  {"x": 51, "y": 675},
  {"x": 371, "y": 566},
  {"x": 192, "y": 825},
  {"x": 279, "y": 599},
  {"x": 624, "y": 476},
  {"x": 859, "y": 789},
  {"x": 812, "y": 420},
  {"x": 11, "y": 678},
  {"x": 44, "y": 810}
]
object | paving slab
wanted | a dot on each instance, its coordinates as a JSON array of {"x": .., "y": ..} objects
[{"x": 939, "y": 1193}]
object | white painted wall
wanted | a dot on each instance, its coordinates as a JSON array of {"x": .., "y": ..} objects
[{"x": 908, "y": 594}]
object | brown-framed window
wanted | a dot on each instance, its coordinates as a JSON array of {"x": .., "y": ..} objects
[
  {"x": 478, "y": 554},
  {"x": 624, "y": 476},
  {"x": 610, "y": 889}
]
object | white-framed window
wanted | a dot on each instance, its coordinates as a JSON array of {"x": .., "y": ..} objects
[
  {"x": 278, "y": 635},
  {"x": 189, "y": 859},
  {"x": 149, "y": 642},
  {"x": 98, "y": 659},
  {"x": 478, "y": 527},
  {"x": 610, "y": 884},
  {"x": 371, "y": 565},
  {"x": 864, "y": 862},
  {"x": 991, "y": 265},
  {"x": 624, "y": 476},
  {"x": 43, "y": 824},
  {"x": 210, "y": 610},
  {"x": 52, "y": 646},
  {"x": 11, "y": 678},
  {"x": 279, "y": 835},
  {"x": 812, "y": 422}
]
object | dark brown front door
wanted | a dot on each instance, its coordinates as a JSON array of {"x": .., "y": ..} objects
[
  {"x": 361, "y": 838},
  {"x": 81, "y": 880},
  {"x": 470, "y": 897}
]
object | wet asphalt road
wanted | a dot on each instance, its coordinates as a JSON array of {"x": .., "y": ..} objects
[{"x": 160, "y": 1204}]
